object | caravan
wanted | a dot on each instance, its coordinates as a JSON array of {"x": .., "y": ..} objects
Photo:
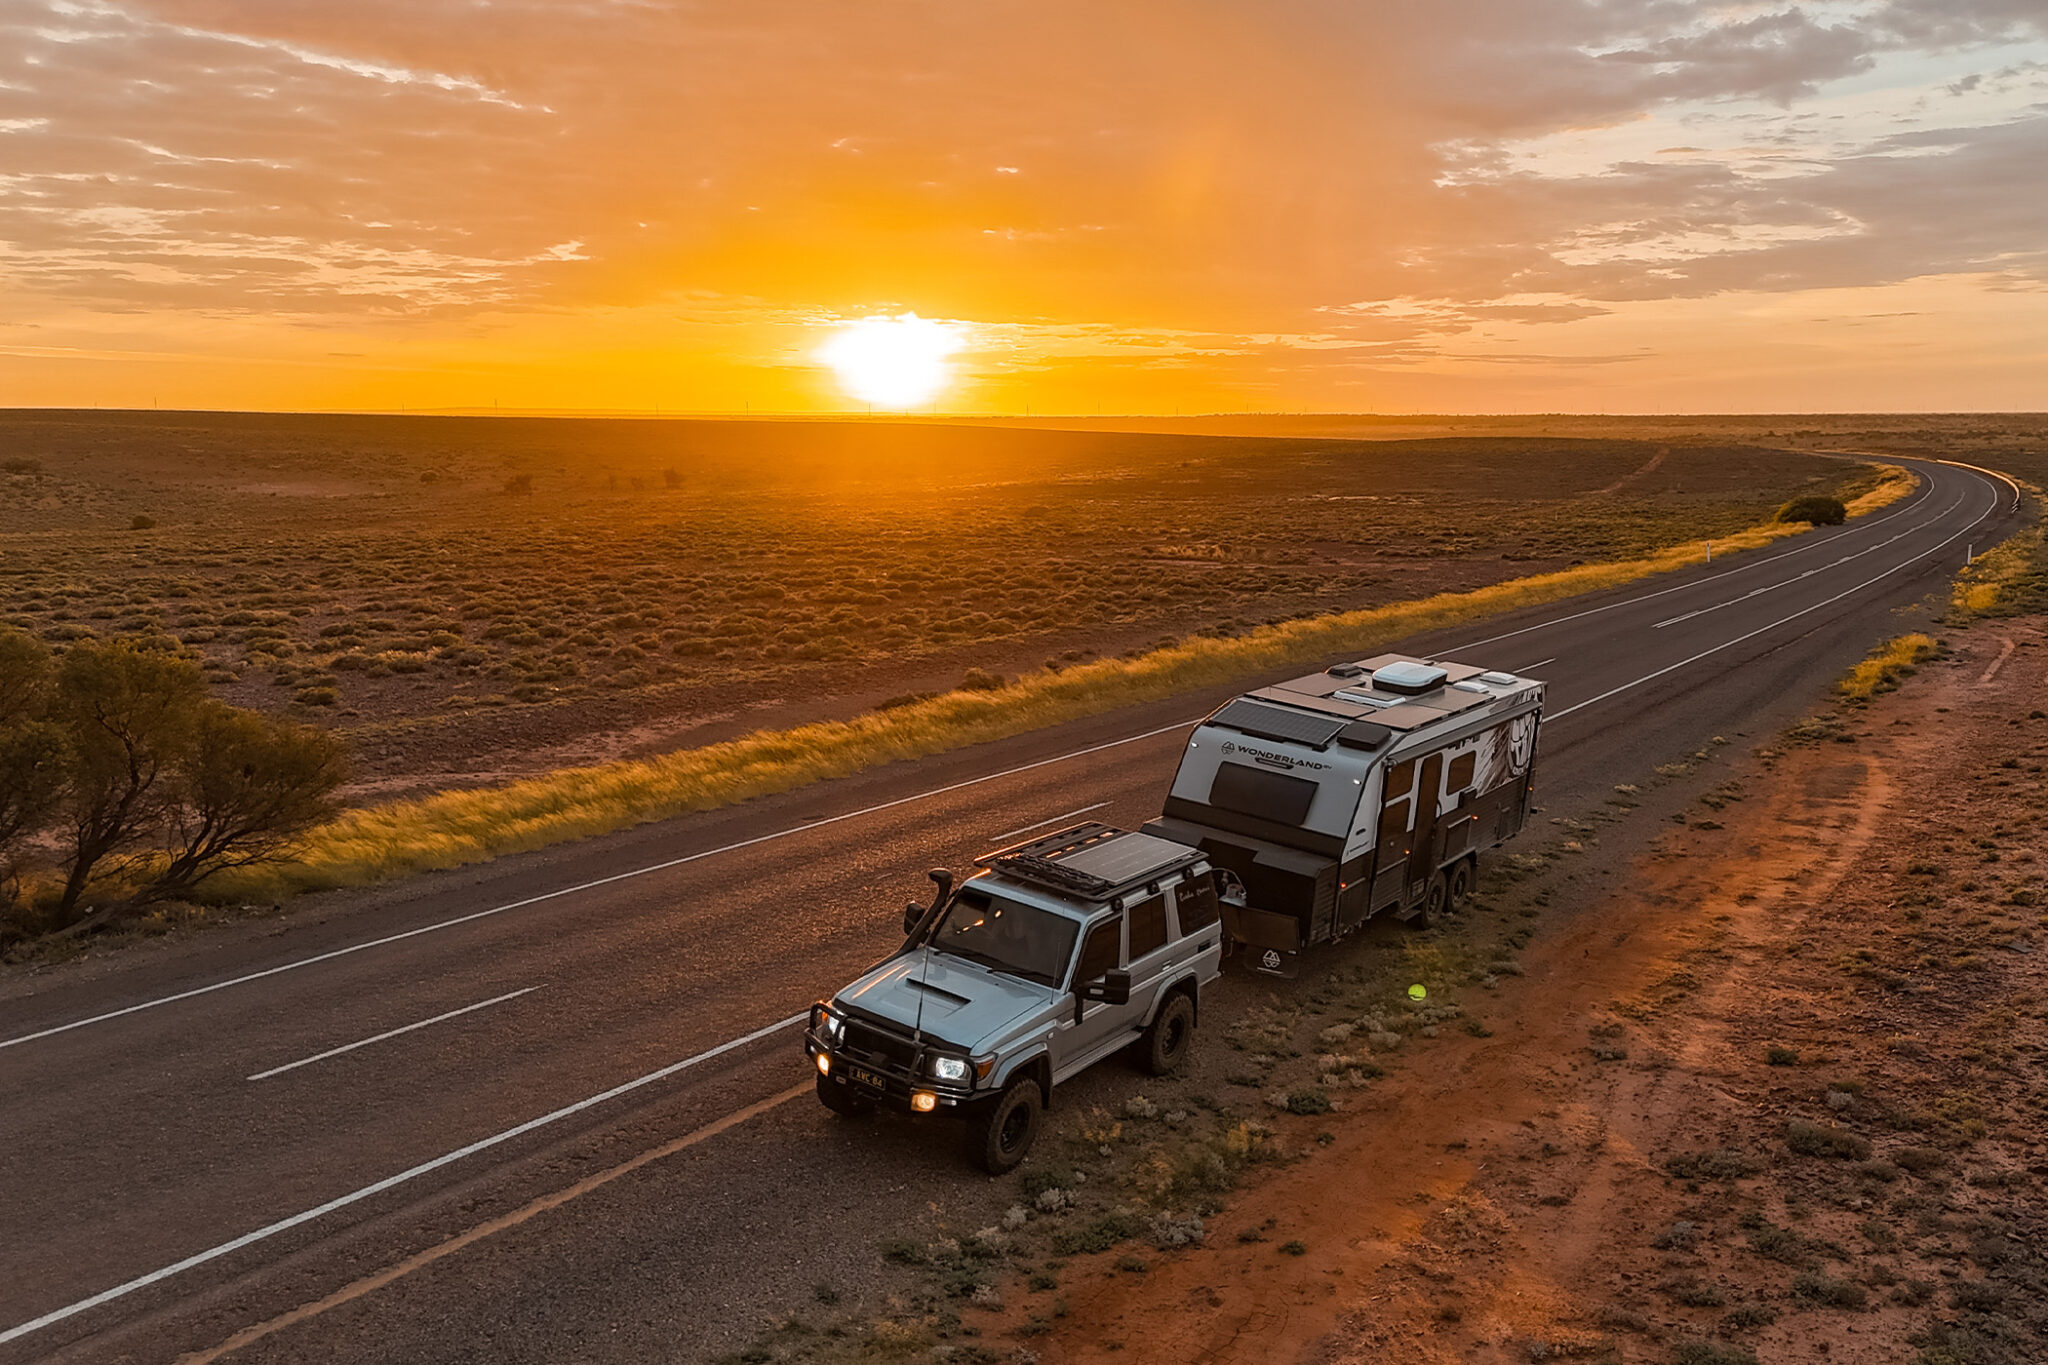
[{"x": 1369, "y": 788}]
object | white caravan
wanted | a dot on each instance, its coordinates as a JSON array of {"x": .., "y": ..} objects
[{"x": 1371, "y": 787}]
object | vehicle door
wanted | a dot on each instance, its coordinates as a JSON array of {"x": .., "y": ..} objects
[
  {"x": 1082, "y": 1031},
  {"x": 1151, "y": 950},
  {"x": 1422, "y": 852}
]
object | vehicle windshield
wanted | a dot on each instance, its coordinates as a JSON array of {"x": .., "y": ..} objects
[{"x": 1007, "y": 935}]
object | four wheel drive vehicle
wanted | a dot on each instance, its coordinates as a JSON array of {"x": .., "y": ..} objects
[
  {"x": 1367, "y": 788},
  {"x": 1063, "y": 950}
]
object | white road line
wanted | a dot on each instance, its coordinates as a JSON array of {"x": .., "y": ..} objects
[
  {"x": 2006, "y": 479},
  {"x": 388, "y": 1033},
  {"x": 388, "y": 1182},
  {"x": 1918, "y": 495},
  {"x": 589, "y": 885},
  {"x": 1041, "y": 824},
  {"x": 1751, "y": 635},
  {"x": 1801, "y": 577},
  {"x": 1538, "y": 664}
]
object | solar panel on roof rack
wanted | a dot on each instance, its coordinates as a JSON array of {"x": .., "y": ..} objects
[
  {"x": 1092, "y": 859},
  {"x": 1273, "y": 722}
]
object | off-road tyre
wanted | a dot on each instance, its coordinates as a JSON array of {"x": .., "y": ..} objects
[
  {"x": 843, "y": 1100},
  {"x": 1001, "y": 1134},
  {"x": 1170, "y": 1037},
  {"x": 1431, "y": 906},
  {"x": 1463, "y": 874}
]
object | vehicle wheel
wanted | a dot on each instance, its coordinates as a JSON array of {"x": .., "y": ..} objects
[
  {"x": 843, "y": 1100},
  {"x": 1432, "y": 903},
  {"x": 999, "y": 1136},
  {"x": 1461, "y": 882},
  {"x": 1171, "y": 1037}
]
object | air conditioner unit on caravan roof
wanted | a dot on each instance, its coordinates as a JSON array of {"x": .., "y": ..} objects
[{"x": 1412, "y": 679}]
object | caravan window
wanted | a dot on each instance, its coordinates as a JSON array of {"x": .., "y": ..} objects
[
  {"x": 1460, "y": 774},
  {"x": 1400, "y": 778},
  {"x": 1253, "y": 791}
]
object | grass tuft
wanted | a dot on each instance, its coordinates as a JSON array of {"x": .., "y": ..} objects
[{"x": 1886, "y": 666}]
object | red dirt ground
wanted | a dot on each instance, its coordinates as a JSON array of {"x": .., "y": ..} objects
[{"x": 1866, "y": 908}]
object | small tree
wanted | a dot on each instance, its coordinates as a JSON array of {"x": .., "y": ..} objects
[
  {"x": 128, "y": 715},
  {"x": 244, "y": 792},
  {"x": 33, "y": 754},
  {"x": 24, "y": 674}
]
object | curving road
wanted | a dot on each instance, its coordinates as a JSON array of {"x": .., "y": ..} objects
[{"x": 300, "y": 1133}]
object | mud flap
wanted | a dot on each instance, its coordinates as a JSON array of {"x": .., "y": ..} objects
[{"x": 1272, "y": 943}]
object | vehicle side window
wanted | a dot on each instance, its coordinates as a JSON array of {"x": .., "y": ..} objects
[
  {"x": 1099, "y": 954},
  {"x": 1148, "y": 926},
  {"x": 1460, "y": 775},
  {"x": 1195, "y": 899}
]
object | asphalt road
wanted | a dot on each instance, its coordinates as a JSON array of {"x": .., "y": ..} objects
[{"x": 220, "y": 1136}]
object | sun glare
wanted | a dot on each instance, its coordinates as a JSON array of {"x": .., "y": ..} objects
[{"x": 898, "y": 362}]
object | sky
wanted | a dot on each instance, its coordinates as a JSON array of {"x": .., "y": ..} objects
[{"x": 1110, "y": 206}]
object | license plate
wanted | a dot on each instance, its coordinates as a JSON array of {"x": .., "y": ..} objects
[{"x": 860, "y": 1075}]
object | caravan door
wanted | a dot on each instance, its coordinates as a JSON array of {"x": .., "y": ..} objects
[{"x": 1422, "y": 846}]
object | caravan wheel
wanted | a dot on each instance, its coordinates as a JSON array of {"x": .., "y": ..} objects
[
  {"x": 1432, "y": 903},
  {"x": 1461, "y": 882}
]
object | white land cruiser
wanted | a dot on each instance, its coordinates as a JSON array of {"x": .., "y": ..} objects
[{"x": 1061, "y": 951}]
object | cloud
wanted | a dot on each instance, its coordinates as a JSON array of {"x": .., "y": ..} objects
[{"x": 1204, "y": 171}]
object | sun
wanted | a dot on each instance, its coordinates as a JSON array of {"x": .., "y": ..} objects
[{"x": 899, "y": 362}]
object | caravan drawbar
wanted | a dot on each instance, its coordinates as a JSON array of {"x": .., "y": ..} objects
[{"x": 1366, "y": 789}]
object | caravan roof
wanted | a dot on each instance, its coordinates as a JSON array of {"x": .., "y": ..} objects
[{"x": 1348, "y": 702}]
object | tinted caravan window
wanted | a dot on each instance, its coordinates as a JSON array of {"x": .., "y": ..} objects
[{"x": 1254, "y": 791}]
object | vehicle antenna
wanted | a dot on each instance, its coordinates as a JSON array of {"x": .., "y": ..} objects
[{"x": 943, "y": 880}]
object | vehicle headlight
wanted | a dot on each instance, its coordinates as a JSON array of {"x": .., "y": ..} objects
[
  {"x": 834, "y": 1027},
  {"x": 949, "y": 1068}
]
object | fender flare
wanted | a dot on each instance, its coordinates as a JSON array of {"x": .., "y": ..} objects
[
  {"x": 1188, "y": 984},
  {"x": 1036, "y": 1064}
]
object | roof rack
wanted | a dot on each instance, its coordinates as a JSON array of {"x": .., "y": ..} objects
[{"x": 1092, "y": 860}]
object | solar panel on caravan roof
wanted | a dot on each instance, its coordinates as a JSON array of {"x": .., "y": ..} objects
[{"x": 1273, "y": 722}]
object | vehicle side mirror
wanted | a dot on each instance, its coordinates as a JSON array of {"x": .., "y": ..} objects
[
  {"x": 912, "y": 913},
  {"x": 1113, "y": 989}
]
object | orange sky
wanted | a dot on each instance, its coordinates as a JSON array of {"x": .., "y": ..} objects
[{"x": 1356, "y": 205}]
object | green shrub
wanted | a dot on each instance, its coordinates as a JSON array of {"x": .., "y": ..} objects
[
  {"x": 1098, "y": 1234},
  {"x": 1819, "y": 1139},
  {"x": 1722, "y": 1163},
  {"x": 1712, "y": 1353},
  {"x": 1828, "y": 1291},
  {"x": 1920, "y": 1160},
  {"x": 141, "y": 521},
  {"x": 1815, "y": 511}
]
